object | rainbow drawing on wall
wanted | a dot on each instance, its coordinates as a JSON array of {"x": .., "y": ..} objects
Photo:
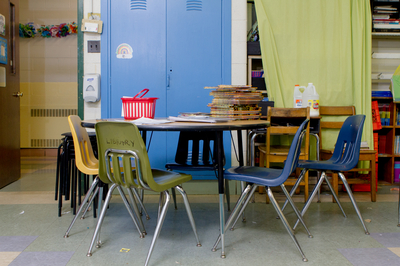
[{"x": 124, "y": 51}]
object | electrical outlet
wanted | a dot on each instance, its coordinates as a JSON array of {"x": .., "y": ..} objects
[{"x": 93, "y": 46}]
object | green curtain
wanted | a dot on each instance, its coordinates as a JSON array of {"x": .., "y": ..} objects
[{"x": 324, "y": 42}]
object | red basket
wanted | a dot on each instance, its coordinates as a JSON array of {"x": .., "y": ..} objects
[{"x": 136, "y": 107}]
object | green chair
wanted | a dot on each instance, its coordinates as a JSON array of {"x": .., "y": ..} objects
[{"x": 121, "y": 142}]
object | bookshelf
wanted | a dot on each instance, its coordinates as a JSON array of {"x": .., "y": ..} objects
[
  {"x": 385, "y": 16},
  {"x": 388, "y": 154}
]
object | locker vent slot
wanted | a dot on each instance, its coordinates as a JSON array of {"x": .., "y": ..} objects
[
  {"x": 45, "y": 143},
  {"x": 53, "y": 112},
  {"x": 138, "y": 4},
  {"x": 194, "y": 5}
]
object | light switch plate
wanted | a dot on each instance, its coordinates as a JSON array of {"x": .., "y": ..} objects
[{"x": 93, "y": 46}]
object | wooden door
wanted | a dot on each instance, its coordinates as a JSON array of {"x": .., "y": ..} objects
[{"x": 9, "y": 95}]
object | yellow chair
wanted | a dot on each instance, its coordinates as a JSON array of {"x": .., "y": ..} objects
[{"x": 285, "y": 121}]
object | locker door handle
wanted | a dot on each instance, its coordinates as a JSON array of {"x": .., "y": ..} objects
[{"x": 169, "y": 78}]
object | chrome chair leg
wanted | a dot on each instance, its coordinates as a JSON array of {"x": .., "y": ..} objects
[
  {"x": 136, "y": 210},
  {"x": 301, "y": 176},
  {"x": 314, "y": 192},
  {"x": 161, "y": 202},
  {"x": 346, "y": 184},
  {"x": 129, "y": 209},
  {"x": 296, "y": 210},
  {"x": 227, "y": 194},
  {"x": 140, "y": 203},
  {"x": 160, "y": 222},
  {"x": 244, "y": 206},
  {"x": 92, "y": 188},
  {"x": 285, "y": 222},
  {"x": 99, "y": 208},
  {"x": 96, "y": 191},
  {"x": 237, "y": 210},
  {"x": 101, "y": 218},
  {"x": 174, "y": 197},
  {"x": 189, "y": 213},
  {"x": 242, "y": 187}
]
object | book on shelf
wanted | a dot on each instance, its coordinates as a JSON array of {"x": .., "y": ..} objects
[
  {"x": 385, "y": 8},
  {"x": 386, "y": 21},
  {"x": 380, "y": 16},
  {"x": 386, "y": 26}
]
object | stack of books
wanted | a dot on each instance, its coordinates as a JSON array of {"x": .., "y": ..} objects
[
  {"x": 236, "y": 102},
  {"x": 386, "y": 18}
]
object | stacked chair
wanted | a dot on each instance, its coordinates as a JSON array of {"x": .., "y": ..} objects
[{"x": 87, "y": 163}]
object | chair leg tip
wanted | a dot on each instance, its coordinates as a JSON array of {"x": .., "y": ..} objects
[
  {"x": 305, "y": 260},
  {"x": 66, "y": 236},
  {"x": 367, "y": 233},
  {"x": 198, "y": 245},
  {"x": 310, "y": 236},
  {"x": 89, "y": 254},
  {"x": 147, "y": 217},
  {"x": 213, "y": 249}
]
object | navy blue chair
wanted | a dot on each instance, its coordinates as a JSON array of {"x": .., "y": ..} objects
[
  {"x": 268, "y": 177},
  {"x": 344, "y": 158},
  {"x": 195, "y": 153}
]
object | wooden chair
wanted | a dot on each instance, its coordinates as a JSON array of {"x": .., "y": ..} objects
[
  {"x": 365, "y": 154},
  {"x": 285, "y": 121}
]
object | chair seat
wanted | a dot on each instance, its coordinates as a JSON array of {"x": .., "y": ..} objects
[
  {"x": 167, "y": 179},
  {"x": 189, "y": 167},
  {"x": 256, "y": 175},
  {"x": 323, "y": 165}
]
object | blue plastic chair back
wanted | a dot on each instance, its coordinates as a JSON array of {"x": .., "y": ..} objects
[
  {"x": 290, "y": 164},
  {"x": 347, "y": 148}
]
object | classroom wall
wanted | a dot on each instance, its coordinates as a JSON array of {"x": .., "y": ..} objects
[
  {"x": 239, "y": 50},
  {"x": 48, "y": 74}
]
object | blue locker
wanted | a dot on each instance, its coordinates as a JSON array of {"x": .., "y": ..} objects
[{"x": 172, "y": 47}]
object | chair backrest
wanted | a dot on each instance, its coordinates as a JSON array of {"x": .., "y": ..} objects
[
  {"x": 196, "y": 148},
  {"x": 292, "y": 159},
  {"x": 347, "y": 148},
  {"x": 123, "y": 157},
  {"x": 286, "y": 121},
  {"x": 335, "y": 111},
  {"x": 85, "y": 160}
]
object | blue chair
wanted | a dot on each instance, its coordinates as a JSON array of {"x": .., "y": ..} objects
[
  {"x": 195, "y": 152},
  {"x": 260, "y": 176},
  {"x": 344, "y": 158}
]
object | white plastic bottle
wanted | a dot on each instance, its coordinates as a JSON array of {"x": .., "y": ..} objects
[
  {"x": 298, "y": 96},
  {"x": 311, "y": 99}
]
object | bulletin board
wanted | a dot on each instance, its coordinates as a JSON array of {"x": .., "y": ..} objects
[{"x": 3, "y": 51}]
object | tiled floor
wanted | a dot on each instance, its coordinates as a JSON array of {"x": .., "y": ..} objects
[{"x": 31, "y": 233}]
